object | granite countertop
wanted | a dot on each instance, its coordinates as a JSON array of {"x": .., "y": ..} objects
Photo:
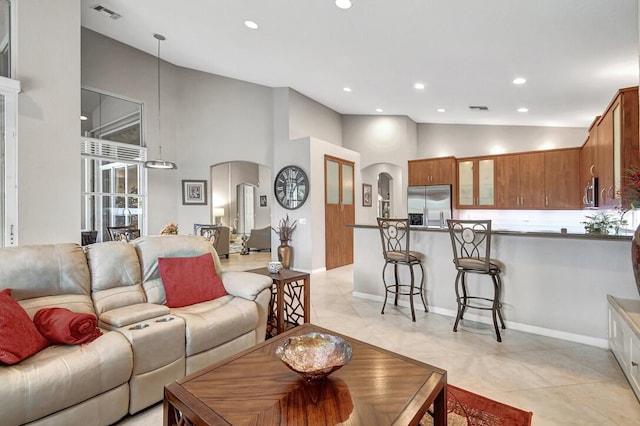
[{"x": 625, "y": 236}]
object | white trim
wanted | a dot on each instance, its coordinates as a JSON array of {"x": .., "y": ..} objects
[
  {"x": 9, "y": 89},
  {"x": 557, "y": 334}
]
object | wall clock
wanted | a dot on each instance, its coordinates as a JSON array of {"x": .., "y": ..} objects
[{"x": 291, "y": 187}]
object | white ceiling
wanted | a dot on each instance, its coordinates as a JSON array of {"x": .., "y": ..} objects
[{"x": 574, "y": 53}]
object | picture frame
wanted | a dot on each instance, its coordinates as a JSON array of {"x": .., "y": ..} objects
[
  {"x": 366, "y": 195},
  {"x": 263, "y": 201},
  {"x": 194, "y": 192}
]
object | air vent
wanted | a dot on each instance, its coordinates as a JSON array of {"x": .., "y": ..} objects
[
  {"x": 479, "y": 108},
  {"x": 110, "y": 13}
]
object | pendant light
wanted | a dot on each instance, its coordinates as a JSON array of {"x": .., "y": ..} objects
[{"x": 159, "y": 163}]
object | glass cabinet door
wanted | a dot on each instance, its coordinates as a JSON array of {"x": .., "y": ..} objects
[
  {"x": 485, "y": 183},
  {"x": 465, "y": 183}
]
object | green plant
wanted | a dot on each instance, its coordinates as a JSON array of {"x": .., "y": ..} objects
[
  {"x": 603, "y": 223},
  {"x": 285, "y": 229}
]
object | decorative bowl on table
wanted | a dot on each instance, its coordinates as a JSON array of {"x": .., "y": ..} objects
[{"x": 315, "y": 355}]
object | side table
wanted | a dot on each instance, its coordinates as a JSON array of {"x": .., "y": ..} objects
[{"x": 290, "y": 300}]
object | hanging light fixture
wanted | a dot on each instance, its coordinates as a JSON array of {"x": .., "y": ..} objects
[{"x": 159, "y": 163}]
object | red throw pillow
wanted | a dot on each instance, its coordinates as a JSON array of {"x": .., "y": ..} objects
[
  {"x": 65, "y": 327},
  {"x": 19, "y": 337},
  {"x": 189, "y": 280}
]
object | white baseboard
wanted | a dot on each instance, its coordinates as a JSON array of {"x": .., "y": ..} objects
[{"x": 548, "y": 332}]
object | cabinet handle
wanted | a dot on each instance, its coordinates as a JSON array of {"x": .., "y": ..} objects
[
  {"x": 546, "y": 200},
  {"x": 610, "y": 193},
  {"x": 603, "y": 195}
]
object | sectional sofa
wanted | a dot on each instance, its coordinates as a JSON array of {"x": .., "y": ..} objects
[{"x": 145, "y": 343}]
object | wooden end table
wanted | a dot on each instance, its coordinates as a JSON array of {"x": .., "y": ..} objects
[
  {"x": 378, "y": 387},
  {"x": 290, "y": 304}
]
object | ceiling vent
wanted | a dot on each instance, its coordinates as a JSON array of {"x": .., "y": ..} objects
[
  {"x": 110, "y": 13},
  {"x": 479, "y": 108}
]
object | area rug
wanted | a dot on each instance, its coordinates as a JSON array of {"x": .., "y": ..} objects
[{"x": 469, "y": 409}]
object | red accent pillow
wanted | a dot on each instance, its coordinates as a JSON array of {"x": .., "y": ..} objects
[
  {"x": 65, "y": 327},
  {"x": 19, "y": 337},
  {"x": 190, "y": 280}
]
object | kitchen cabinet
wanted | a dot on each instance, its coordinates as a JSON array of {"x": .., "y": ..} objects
[
  {"x": 562, "y": 186},
  {"x": 588, "y": 155},
  {"x": 612, "y": 148},
  {"x": 433, "y": 171},
  {"x": 476, "y": 182},
  {"x": 520, "y": 181},
  {"x": 624, "y": 337}
]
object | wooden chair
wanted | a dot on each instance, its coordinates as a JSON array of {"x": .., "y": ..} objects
[
  {"x": 123, "y": 233},
  {"x": 471, "y": 242}
]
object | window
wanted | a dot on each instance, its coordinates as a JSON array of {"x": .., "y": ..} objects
[{"x": 113, "y": 178}]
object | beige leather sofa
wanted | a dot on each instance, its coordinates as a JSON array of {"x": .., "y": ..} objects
[{"x": 145, "y": 344}]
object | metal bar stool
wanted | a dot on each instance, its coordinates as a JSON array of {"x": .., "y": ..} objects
[
  {"x": 394, "y": 234},
  {"x": 471, "y": 242}
]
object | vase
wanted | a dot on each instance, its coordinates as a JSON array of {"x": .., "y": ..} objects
[
  {"x": 635, "y": 256},
  {"x": 285, "y": 252}
]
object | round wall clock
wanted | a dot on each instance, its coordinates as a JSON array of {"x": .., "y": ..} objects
[{"x": 291, "y": 187}]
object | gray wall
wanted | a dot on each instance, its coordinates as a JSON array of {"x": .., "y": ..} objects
[
  {"x": 308, "y": 117},
  {"x": 461, "y": 140},
  {"x": 48, "y": 120}
]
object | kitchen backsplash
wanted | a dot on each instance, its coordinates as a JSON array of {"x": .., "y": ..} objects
[{"x": 543, "y": 220}]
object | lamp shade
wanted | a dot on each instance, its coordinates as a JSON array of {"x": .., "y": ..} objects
[{"x": 218, "y": 211}]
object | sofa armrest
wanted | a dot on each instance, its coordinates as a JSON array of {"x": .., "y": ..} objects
[
  {"x": 245, "y": 284},
  {"x": 126, "y": 315}
]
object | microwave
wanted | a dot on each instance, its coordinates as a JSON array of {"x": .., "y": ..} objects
[{"x": 590, "y": 197}]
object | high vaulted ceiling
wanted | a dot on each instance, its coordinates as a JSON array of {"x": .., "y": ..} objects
[{"x": 574, "y": 54}]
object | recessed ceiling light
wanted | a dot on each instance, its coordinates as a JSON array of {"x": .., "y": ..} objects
[
  {"x": 378, "y": 109},
  {"x": 519, "y": 80},
  {"x": 523, "y": 109},
  {"x": 347, "y": 89},
  {"x": 251, "y": 24},
  {"x": 418, "y": 86},
  {"x": 343, "y": 4},
  {"x": 83, "y": 117},
  {"x": 441, "y": 110}
]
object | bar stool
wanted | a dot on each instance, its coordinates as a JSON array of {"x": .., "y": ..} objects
[
  {"x": 394, "y": 234},
  {"x": 471, "y": 242}
]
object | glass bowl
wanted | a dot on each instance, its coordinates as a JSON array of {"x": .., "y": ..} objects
[{"x": 315, "y": 355}]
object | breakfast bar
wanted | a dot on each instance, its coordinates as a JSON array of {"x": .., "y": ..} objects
[{"x": 554, "y": 284}]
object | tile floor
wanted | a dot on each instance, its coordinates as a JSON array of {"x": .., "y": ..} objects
[{"x": 563, "y": 383}]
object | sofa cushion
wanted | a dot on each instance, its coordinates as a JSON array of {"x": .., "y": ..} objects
[
  {"x": 19, "y": 337},
  {"x": 190, "y": 280},
  {"x": 62, "y": 326},
  {"x": 210, "y": 324},
  {"x": 44, "y": 270},
  {"x": 151, "y": 247},
  {"x": 61, "y": 376}
]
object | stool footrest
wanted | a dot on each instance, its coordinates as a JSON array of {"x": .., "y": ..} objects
[{"x": 392, "y": 289}]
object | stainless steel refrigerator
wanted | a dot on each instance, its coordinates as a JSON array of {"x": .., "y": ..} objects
[{"x": 429, "y": 205}]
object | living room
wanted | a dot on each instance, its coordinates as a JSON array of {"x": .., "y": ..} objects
[{"x": 209, "y": 119}]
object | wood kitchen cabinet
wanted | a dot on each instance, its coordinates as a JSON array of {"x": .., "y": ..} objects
[
  {"x": 562, "y": 186},
  {"x": 612, "y": 148},
  {"x": 476, "y": 182},
  {"x": 520, "y": 181},
  {"x": 434, "y": 171}
]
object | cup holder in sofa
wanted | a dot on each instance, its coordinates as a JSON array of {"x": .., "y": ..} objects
[
  {"x": 165, "y": 319},
  {"x": 139, "y": 326}
]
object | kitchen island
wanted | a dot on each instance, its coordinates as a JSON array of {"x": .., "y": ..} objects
[{"x": 554, "y": 284}]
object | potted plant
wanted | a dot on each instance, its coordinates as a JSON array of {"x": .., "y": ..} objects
[
  {"x": 285, "y": 230},
  {"x": 603, "y": 223}
]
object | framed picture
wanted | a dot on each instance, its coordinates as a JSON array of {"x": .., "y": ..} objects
[
  {"x": 263, "y": 201},
  {"x": 194, "y": 192},
  {"x": 366, "y": 195}
]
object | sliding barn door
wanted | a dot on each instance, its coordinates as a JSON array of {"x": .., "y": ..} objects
[{"x": 339, "y": 211}]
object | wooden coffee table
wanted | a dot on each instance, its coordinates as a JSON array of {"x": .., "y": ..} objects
[{"x": 378, "y": 387}]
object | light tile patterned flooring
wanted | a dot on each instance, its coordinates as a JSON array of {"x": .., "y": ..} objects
[{"x": 563, "y": 383}]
